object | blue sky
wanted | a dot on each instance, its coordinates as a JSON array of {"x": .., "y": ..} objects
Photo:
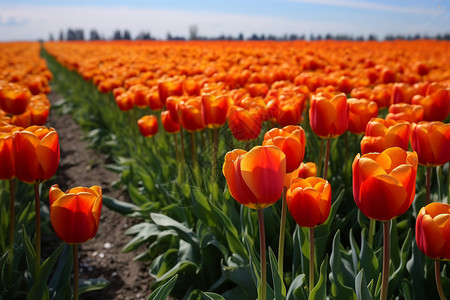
[{"x": 29, "y": 20}]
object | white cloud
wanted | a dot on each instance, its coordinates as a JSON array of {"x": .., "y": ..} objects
[{"x": 39, "y": 21}]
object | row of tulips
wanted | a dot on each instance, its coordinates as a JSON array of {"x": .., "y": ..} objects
[
  {"x": 384, "y": 177},
  {"x": 31, "y": 155}
]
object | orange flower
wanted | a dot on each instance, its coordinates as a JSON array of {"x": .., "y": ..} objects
[
  {"x": 190, "y": 115},
  {"x": 36, "y": 151},
  {"x": 328, "y": 114},
  {"x": 382, "y": 134},
  {"x": 125, "y": 101},
  {"x": 360, "y": 113},
  {"x": 436, "y": 103},
  {"x": 291, "y": 140},
  {"x": 433, "y": 230},
  {"x": 308, "y": 169},
  {"x": 384, "y": 183},
  {"x": 75, "y": 215},
  {"x": 215, "y": 109},
  {"x": 255, "y": 178},
  {"x": 309, "y": 201},
  {"x": 406, "y": 112},
  {"x": 431, "y": 141},
  {"x": 170, "y": 87},
  {"x": 245, "y": 125},
  {"x": 7, "y": 171},
  {"x": 169, "y": 125},
  {"x": 14, "y": 98},
  {"x": 148, "y": 125}
]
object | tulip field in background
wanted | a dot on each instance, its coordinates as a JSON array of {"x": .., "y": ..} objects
[{"x": 330, "y": 150}]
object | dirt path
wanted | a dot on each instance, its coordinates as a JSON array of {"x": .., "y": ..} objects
[{"x": 101, "y": 256}]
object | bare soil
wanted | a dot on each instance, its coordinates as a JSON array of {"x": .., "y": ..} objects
[{"x": 100, "y": 257}]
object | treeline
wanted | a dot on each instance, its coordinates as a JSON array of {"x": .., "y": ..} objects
[{"x": 78, "y": 35}]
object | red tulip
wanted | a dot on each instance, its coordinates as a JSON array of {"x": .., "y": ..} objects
[
  {"x": 328, "y": 114},
  {"x": 244, "y": 125},
  {"x": 382, "y": 134},
  {"x": 215, "y": 109},
  {"x": 406, "y": 112},
  {"x": 14, "y": 98},
  {"x": 308, "y": 169},
  {"x": 7, "y": 170},
  {"x": 436, "y": 103},
  {"x": 148, "y": 125},
  {"x": 190, "y": 116},
  {"x": 169, "y": 125},
  {"x": 75, "y": 215},
  {"x": 360, "y": 113}
]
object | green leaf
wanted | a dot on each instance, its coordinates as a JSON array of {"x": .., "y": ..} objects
[
  {"x": 123, "y": 208},
  {"x": 407, "y": 290},
  {"x": 212, "y": 296},
  {"x": 415, "y": 267},
  {"x": 30, "y": 253},
  {"x": 162, "y": 292},
  {"x": 362, "y": 292},
  {"x": 145, "y": 231},
  {"x": 320, "y": 290},
  {"x": 368, "y": 260},
  {"x": 89, "y": 285},
  {"x": 185, "y": 233},
  {"x": 397, "y": 276},
  {"x": 278, "y": 285},
  {"x": 297, "y": 289}
]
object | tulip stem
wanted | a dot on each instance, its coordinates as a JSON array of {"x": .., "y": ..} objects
[
  {"x": 182, "y": 155},
  {"x": 37, "y": 203},
  {"x": 327, "y": 156},
  {"x": 428, "y": 185},
  {"x": 311, "y": 260},
  {"x": 177, "y": 155},
  {"x": 262, "y": 251},
  {"x": 320, "y": 160},
  {"x": 282, "y": 233},
  {"x": 437, "y": 273},
  {"x": 386, "y": 259},
  {"x": 214, "y": 154},
  {"x": 11, "y": 229},
  {"x": 193, "y": 150},
  {"x": 371, "y": 232},
  {"x": 75, "y": 271}
]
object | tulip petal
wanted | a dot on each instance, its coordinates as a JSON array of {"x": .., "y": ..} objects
[
  {"x": 428, "y": 236},
  {"x": 54, "y": 194}
]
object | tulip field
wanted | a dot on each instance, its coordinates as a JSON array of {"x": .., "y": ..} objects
[{"x": 255, "y": 170}]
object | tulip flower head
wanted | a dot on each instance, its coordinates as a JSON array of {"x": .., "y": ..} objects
[
  {"x": 431, "y": 141},
  {"x": 148, "y": 125},
  {"x": 361, "y": 111},
  {"x": 36, "y": 150},
  {"x": 14, "y": 98},
  {"x": 308, "y": 169},
  {"x": 328, "y": 114},
  {"x": 433, "y": 230},
  {"x": 75, "y": 215},
  {"x": 384, "y": 183},
  {"x": 7, "y": 170},
  {"x": 169, "y": 125},
  {"x": 255, "y": 178},
  {"x": 309, "y": 201},
  {"x": 245, "y": 125},
  {"x": 382, "y": 134}
]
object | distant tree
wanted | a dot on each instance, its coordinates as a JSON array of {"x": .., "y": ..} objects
[
  {"x": 372, "y": 37},
  {"x": 51, "y": 37},
  {"x": 117, "y": 35},
  {"x": 241, "y": 37},
  {"x": 144, "y": 36},
  {"x": 94, "y": 36},
  {"x": 193, "y": 32},
  {"x": 61, "y": 35},
  {"x": 169, "y": 36},
  {"x": 126, "y": 35}
]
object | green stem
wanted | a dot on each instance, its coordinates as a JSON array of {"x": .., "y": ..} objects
[
  {"x": 11, "y": 229},
  {"x": 428, "y": 185},
  {"x": 437, "y": 273},
  {"x": 75, "y": 271},
  {"x": 181, "y": 156},
  {"x": 282, "y": 233},
  {"x": 371, "y": 232},
  {"x": 320, "y": 160},
  {"x": 177, "y": 155},
  {"x": 386, "y": 259},
  {"x": 262, "y": 249},
  {"x": 327, "y": 156},
  {"x": 214, "y": 156},
  {"x": 311, "y": 260},
  {"x": 37, "y": 205},
  {"x": 193, "y": 150}
]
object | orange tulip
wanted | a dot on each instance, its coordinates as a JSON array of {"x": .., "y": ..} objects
[
  {"x": 7, "y": 171},
  {"x": 308, "y": 169},
  {"x": 153, "y": 99},
  {"x": 190, "y": 115},
  {"x": 291, "y": 140},
  {"x": 255, "y": 178},
  {"x": 431, "y": 141},
  {"x": 125, "y": 101},
  {"x": 406, "y": 112},
  {"x": 436, "y": 103},
  {"x": 360, "y": 113},
  {"x": 328, "y": 114},
  {"x": 433, "y": 230},
  {"x": 14, "y": 98},
  {"x": 309, "y": 201},
  {"x": 170, "y": 87},
  {"x": 75, "y": 215},
  {"x": 290, "y": 112},
  {"x": 402, "y": 93},
  {"x": 382, "y": 134},
  {"x": 169, "y": 125},
  {"x": 245, "y": 125},
  {"x": 148, "y": 125},
  {"x": 215, "y": 109},
  {"x": 36, "y": 150},
  {"x": 384, "y": 183}
]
